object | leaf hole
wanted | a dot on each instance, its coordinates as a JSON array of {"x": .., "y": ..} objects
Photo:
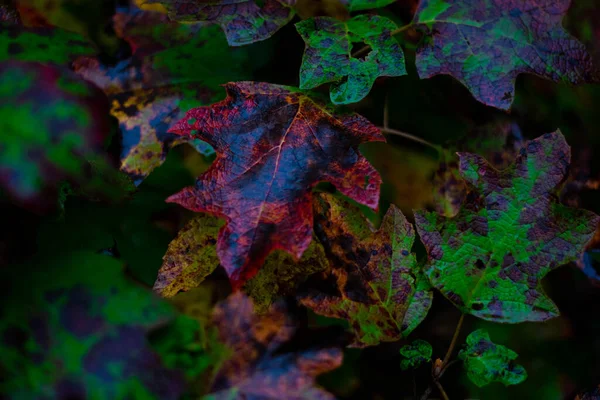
[{"x": 360, "y": 50}]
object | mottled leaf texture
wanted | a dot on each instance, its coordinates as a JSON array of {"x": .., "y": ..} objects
[
  {"x": 358, "y": 5},
  {"x": 74, "y": 328},
  {"x": 273, "y": 145},
  {"x": 173, "y": 67},
  {"x": 381, "y": 290},
  {"x": 486, "y": 44},
  {"x": 490, "y": 259},
  {"x": 487, "y": 362},
  {"x": 243, "y": 21},
  {"x": 192, "y": 256},
  {"x": 415, "y": 354},
  {"x": 51, "y": 121},
  {"x": 327, "y": 57},
  {"x": 259, "y": 368},
  {"x": 43, "y": 45}
]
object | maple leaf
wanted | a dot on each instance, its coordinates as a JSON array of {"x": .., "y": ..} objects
[
  {"x": 357, "y": 5},
  {"x": 327, "y": 57},
  {"x": 485, "y": 45},
  {"x": 192, "y": 256},
  {"x": 73, "y": 327},
  {"x": 243, "y": 21},
  {"x": 273, "y": 145},
  {"x": 382, "y": 292},
  {"x": 490, "y": 259},
  {"x": 259, "y": 368},
  {"x": 487, "y": 362},
  {"x": 173, "y": 67},
  {"x": 52, "y": 122},
  {"x": 416, "y": 353}
]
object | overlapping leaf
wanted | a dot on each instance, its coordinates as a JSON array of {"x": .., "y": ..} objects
[
  {"x": 73, "y": 327},
  {"x": 243, "y": 21},
  {"x": 259, "y": 367},
  {"x": 173, "y": 67},
  {"x": 486, "y": 44},
  {"x": 381, "y": 289},
  {"x": 487, "y": 362},
  {"x": 51, "y": 122},
  {"x": 357, "y": 5},
  {"x": 490, "y": 259},
  {"x": 273, "y": 145},
  {"x": 192, "y": 256},
  {"x": 328, "y": 58}
]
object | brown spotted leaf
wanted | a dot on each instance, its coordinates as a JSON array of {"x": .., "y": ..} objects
[
  {"x": 273, "y": 144},
  {"x": 259, "y": 367},
  {"x": 490, "y": 259},
  {"x": 173, "y": 68},
  {"x": 192, "y": 256},
  {"x": 381, "y": 289}
]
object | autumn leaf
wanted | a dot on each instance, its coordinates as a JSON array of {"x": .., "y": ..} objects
[
  {"x": 487, "y": 362},
  {"x": 328, "y": 58},
  {"x": 380, "y": 288},
  {"x": 485, "y": 45},
  {"x": 358, "y": 5},
  {"x": 173, "y": 67},
  {"x": 273, "y": 145},
  {"x": 243, "y": 21},
  {"x": 490, "y": 259},
  {"x": 192, "y": 256},
  {"x": 52, "y": 123},
  {"x": 415, "y": 354},
  {"x": 260, "y": 367},
  {"x": 74, "y": 327}
]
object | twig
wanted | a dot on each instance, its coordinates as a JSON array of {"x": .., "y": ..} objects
[
  {"x": 453, "y": 342},
  {"x": 408, "y": 136},
  {"x": 441, "y": 389}
]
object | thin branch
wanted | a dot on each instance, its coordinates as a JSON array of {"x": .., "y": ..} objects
[
  {"x": 409, "y": 137},
  {"x": 454, "y": 339},
  {"x": 441, "y": 389}
]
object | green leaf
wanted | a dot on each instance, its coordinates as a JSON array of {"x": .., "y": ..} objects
[
  {"x": 487, "y": 362},
  {"x": 489, "y": 260},
  {"x": 416, "y": 353},
  {"x": 327, "y": 57},
  {"x": 357, "y": 5},
  {"x": 487, "y": 44},
  {"x": 74, "y": 327}
]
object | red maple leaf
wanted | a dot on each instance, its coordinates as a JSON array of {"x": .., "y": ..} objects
[{"x": 274, "y": 144}]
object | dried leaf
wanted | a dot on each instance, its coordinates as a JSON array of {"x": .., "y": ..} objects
[
  {"x": 485, "y": 45},
  {"x": 327, "y": 57},
  {"x": 259, "y": 367},
  {"x": 273, "y": 145},
  {"x": 487, "y": 362},
  {"x": 192, "y": 256},
  {"x": 490, "y": 259},
  {"x": 380, "y": 288}
]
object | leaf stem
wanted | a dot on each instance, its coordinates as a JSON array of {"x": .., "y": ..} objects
[
  {"x": 453, "y": 342},
  {"x": 408, "y": 136},
  {"x": 401, "y": 29},
  {"x": 441, "y": 389}
]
